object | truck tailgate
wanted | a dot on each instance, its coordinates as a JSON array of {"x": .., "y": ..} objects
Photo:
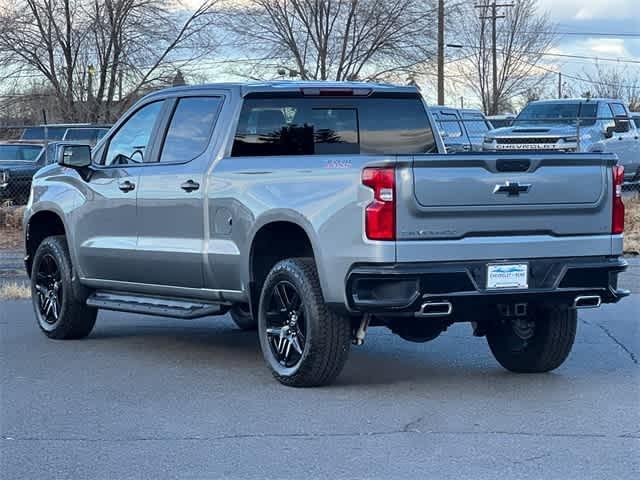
[{"x": 486, "y": 194}]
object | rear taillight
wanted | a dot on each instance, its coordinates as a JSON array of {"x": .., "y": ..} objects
[
  {"x": 380, "y": 215},
  {"x": 617, "y": 220}
]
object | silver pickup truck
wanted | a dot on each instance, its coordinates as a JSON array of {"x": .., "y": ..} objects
[{"x": 311, "y": 211}]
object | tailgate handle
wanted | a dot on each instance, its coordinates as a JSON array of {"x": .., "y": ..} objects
[{"x": 514, "y": 165}]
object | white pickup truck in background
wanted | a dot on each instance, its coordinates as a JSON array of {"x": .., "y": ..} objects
[{"x": 574, "y": 125}]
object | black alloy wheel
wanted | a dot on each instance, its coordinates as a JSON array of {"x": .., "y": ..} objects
[
  {"x": 304, "y": 342},
  {"x": 285, "y": 326},
  {"x": 48, "y": 285},
  {"x": 59, "y": 304}
]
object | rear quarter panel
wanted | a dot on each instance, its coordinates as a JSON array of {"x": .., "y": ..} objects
[{"x": 321, "y": 194}]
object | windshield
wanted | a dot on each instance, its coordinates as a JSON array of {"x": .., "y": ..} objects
[
  {"x": 561, "y": 113},
  {"x": 20, "y": 153}
]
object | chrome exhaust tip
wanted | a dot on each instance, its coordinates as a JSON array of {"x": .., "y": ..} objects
[
  {"x": 435, "y": 309},
  {"x": 587, "y": 301}
]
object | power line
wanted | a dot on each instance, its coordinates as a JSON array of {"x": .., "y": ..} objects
[
  {"x": 584, "y": 57},
  {"x": 560, "y": 55},
  {"x": 580, "y": 79},
  {"x": 587, "y": 34}
]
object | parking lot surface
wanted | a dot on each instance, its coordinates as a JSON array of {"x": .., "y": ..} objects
[{"x": 159, "y": 398}]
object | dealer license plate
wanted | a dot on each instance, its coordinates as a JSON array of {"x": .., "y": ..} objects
[{"x": 507, "y": 275}]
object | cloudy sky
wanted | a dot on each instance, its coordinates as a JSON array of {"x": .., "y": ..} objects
[
  {"x": 607, "y": 16},
  {"x": 592, "y": 28}
]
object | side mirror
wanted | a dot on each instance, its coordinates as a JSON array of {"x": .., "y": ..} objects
[
  {"x": 77, "y": 157},
  {"x": 608, "y": 133}
]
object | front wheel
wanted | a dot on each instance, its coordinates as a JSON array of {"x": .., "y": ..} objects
[
  {"x": 304, "y": 343},
  {"x": 60, "y": 314},
  {"x": 538, "y": 343}
]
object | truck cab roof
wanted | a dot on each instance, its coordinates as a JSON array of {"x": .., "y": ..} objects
[
  {"x": 576, "y": 100},
  {"x": 246, "y": 88}
]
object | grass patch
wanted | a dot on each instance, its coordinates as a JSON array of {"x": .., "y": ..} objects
[
  {"x": 11, "y": 216},
  {"x": 11, "y": 226},
  {"x": 14, "y": 291},
  {"x": 632, "y": 225}
]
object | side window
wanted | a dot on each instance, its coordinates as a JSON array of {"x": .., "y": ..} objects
[
  {"x": 451, "y": 125},
  {"x": 621, "y": 118},
  {"x": 130, "y": 142},
  {"x": 618, "y": 110},
  {"x": 190, "y": 128},
  {"x": 606, "y": 116}
]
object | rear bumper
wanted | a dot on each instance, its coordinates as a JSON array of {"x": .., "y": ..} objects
[{"x": 401, "y": 288}]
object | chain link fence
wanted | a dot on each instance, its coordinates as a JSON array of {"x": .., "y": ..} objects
[
  {"x": 24, "y": 149},
  {"x": 19, "y": 161},
  {"x": 11, "y": 248}
]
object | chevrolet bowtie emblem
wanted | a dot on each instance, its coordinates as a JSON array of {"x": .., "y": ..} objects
[{"x": 513, "y": 189}]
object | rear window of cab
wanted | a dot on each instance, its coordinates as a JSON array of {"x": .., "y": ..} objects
[{"x": 297, "y": 125}]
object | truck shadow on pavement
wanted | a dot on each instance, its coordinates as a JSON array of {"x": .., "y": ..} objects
[{"x": 383, "y": 360}]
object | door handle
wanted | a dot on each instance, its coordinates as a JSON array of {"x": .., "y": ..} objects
[
  {"x": 190, "y": 186},
  {"x": 126, "y": 186}
]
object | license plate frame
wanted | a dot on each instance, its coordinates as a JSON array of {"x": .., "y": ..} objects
[{"x": 507, "y": 276}]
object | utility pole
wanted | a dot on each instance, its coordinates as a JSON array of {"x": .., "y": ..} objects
[
  {"x": 559, "y": 84},
  {"x": 120, "y": 85},
  {"x": 440, "y": 52},
  {"x": 90, "y": 72},
  {"x": 494, "y": 49}
]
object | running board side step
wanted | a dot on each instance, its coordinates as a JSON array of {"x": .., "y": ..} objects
[{"x": 156, "y": 306}]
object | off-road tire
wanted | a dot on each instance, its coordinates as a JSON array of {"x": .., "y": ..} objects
[
  {"x": 241, "y": 316},
  {"x": 328, "y": 334},
  {"x": 75, "y": 319},
  {"x": 550, "y": 345}
]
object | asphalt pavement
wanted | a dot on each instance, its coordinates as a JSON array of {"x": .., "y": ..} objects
[{"x": 152, "y": 398}]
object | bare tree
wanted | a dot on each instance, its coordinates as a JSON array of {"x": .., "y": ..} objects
[
  {"x": 89, "y": 51},
  {"x": 334, "y": 39},
  {"x": 613, "y": 82},
  {"x": 523, "y": 37}
]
